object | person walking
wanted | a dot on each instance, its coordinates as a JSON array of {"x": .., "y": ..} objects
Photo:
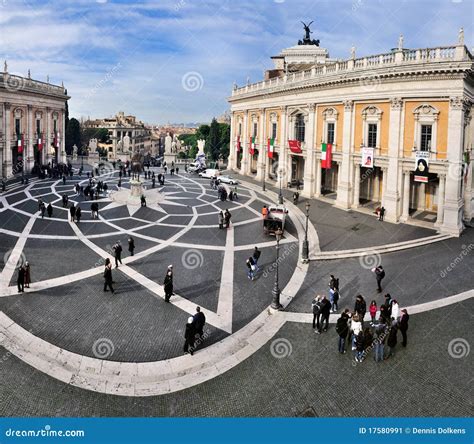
[
  {"x": 168, "y": 283},
  {"x": 131, "y": 245},
  {"x": 108, "y": 276},
  {"x": 40, "y": 203},
  {"x": 220, "y": 217},
  {"x": 381, "y": 214},
  {"x": 316, "y": 307},
  {"x": 199, "y": 322},
  {"x": 373, "y": 311},
  {"x": 251, "y": 268},
  {"x": 379, "y": 275},
  {"x": 49, "y": 210},
  {"x": 227, "y": 217},
  {"x": 325, "y": 312},
  {"x": 256, "y": 257},
  {"x": 333, "y": 299},
  {"x": 189, "y": 336},
  {"x": 78, "y": 213},
  {"x": 264, "y": 212},
  {"x": 27, "y": 274},
  {"x": 342, "y": 329},
  {"x": 403, "y": 325},
  {"x": 360, "y": 307},
  {"x": 117, "y": 253},
  {"x": 72, "y": 212}
]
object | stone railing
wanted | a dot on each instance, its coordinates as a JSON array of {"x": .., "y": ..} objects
[
  {"x": 12, "y": 82},
  {"x": 404, "y": 57}
]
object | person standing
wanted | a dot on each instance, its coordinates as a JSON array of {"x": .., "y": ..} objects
[
  {"x": 27, "y": 274},
  {"x": 264, "y": 212},
  {"x": 379, "y": 275},
  {"x": 117, "y": 253},
  {"x": 316, "y": 307},
  {"x": 333, "y": 298},
  {"x": 189, "y": 336},
  {"x": 359, "y": 345},
  {"x": 403, "y": 325},
  {"x": 256, "y": 257},
  {"x": 342, "y": 329},
  {"x": 131, "y": 245},
  {"x": 199, "y": 322},
  {"x": 143, "y": 200},
  {"x": 379, "y": 342},
  {"x": 395, "y": 312},
  {"x": 325, "y": 312},
  {"x": 360, "y": 307},
  {"x": 220, "y": 217},
  {"x": 72, "y": 212},
  {"x": 392, "y": 340},
  {"x": 168, "y": 283},
  {"x": 227, "y": 217},
  {"x": 78, "y": 213},
  {"x": 373, "y": 311},
  {"x": 21, "y": 279},
  {"x": 49, "y": 210},
  {"x": 381, "y": 214},
  {"x": 108, "y": 276},
  {"x": 43, "y": 210},
  {"x": 40, "y": 203}
]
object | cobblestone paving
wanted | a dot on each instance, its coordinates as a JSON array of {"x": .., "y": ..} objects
[{"x": 422, "y": 380}]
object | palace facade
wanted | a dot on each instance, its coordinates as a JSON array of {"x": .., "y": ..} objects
[
  {"x": 32, "y": 123},
  {"x": 356, "y": 130}
]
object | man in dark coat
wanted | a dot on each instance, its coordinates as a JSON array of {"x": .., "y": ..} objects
[
  {"x": 72, "y": 212},
  {"x": 189, "y": 336},
  {"x": 168, "y": 283},
  {"x": 21, "y": 279},
  {"x": 392, "y": 340},
  {"x": 131, "y": 245},
  {"x": 49, "y": 209},
  {"x": 199, "y": 322},
  {"x": 342, "y": 329},
  {"x": 316, "y": 306},
  {"x": 325, "y": 312},
  {"x": 379, "y": 275},
  {"x": 108, "y": 276},
  {"x": 403, "y": 325},
  {"x": 256, "y": 256},
  {"x": 117, "y": 253},
  {"x": 360, "y": 307}
]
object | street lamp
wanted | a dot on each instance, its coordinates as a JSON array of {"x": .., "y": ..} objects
[
  {"x": 276, "y": 289},
  {"x": 305, "y": 252},
  {"x": 280, "y": 195}
]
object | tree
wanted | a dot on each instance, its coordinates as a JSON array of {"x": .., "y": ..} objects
[
  {"x": 203, "y": 132},
  {"x": 224, "y": 140},
  {"x": 101, "y": 134},
  {"x": 73, "y": 135},
  {"x": 214, "y": 140}
]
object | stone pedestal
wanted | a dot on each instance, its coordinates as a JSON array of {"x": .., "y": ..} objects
[
  {"x": 136, "y": 188},
  {"x": 168, "y": 158}
]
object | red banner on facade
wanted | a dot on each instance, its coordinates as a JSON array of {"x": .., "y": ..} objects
[{"x": 295, "y": 146}]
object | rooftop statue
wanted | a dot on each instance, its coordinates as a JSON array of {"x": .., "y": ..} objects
[{"x": 307, "y": 37}]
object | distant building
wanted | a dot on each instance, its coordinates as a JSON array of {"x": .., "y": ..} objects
[
  {"x": 127, "y": 134},
  {"x": 32, "y": 123}
]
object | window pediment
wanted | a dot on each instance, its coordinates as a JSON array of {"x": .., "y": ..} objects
[
  {"x": 330, "y": 113},
  {"x": 426, "y": 111},
  {"x": 373, "y": 112}
]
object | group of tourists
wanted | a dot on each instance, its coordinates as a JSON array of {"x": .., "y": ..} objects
[{"x": 379, "y": 335}]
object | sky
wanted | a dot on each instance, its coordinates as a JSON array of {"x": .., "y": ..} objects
[{"x": 176, "y": 61}]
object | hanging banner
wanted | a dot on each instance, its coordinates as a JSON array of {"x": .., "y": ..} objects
[
  {"x": 270, "y": 148},
  {"x": 368, "y": 157},
  {"x": 326, "y": 155},
  {"x": 238, "y": 144},
  {"x": 252, "y": 146},
  {"x": 295, "y": 146},
  {"x": 421, "y": 166},
  {"x": 40, "y": 142}
]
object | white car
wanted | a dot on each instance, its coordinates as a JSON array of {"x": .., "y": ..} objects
[
  {"x": 209, "y": 174},
  {"x": 228, "y": 179}
]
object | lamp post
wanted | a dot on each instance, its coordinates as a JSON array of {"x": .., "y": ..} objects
[
  {"x": 280, "y": 195},
  {"x": 305, "y": 253},
  {"x": 276, "y": 288}
]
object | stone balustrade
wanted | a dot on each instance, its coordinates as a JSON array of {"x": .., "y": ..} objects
[{"x": 17, "y": 83}]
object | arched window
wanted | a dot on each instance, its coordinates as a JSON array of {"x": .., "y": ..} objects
[{"x": 299, "y": 127}]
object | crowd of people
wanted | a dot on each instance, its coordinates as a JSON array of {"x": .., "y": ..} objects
[{"x": 354, "y": 329}]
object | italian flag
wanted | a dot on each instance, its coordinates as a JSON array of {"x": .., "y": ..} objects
[
  {"x": 326, "y": 151},
  {"x": 40, "y": 142},
  {"x": 252, "y": 146},
  {"x": 20, "y": 143},
  {"x": 271, "y": 148}
]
